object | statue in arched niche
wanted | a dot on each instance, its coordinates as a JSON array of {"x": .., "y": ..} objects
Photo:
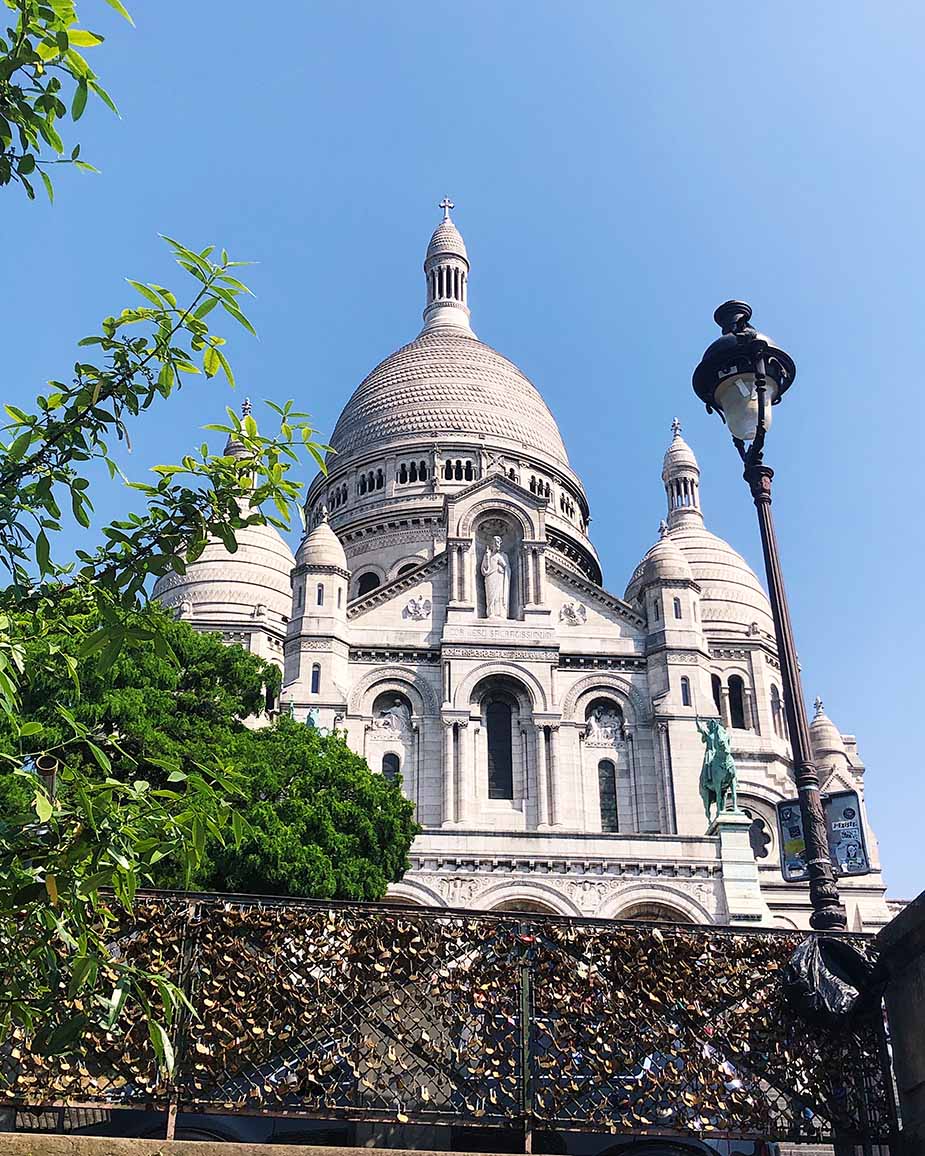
[
  {"x": 395, "y": 717},
  {"x": 604, "y": 724},
  {"x": 496, "y": 574}
]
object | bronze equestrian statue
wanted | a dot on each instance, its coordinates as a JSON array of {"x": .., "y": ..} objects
[{"x": 718, "y": 774}]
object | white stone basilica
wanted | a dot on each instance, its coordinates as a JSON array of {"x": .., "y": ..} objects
[{"x": 446, "y": 610}]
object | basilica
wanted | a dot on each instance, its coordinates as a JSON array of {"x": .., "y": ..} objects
[{"x": 446, "y": 611}]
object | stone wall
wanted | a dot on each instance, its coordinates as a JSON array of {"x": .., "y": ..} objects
[{"x": 903, "y": 945}]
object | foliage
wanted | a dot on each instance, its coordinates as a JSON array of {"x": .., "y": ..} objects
[
  {"x": 319, "y": 823},
  {"x": 54, "y": 925},
  {"x": 43, "y": 79}
]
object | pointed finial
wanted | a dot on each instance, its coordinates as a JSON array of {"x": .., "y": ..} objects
[
  {"x": 663, "y": 529},
  {"x": 818, "y": 705},
  {"x": 446, "y": 204},
  {"x": 676, "y": 427},
  {"x": 246, "y": 407}
]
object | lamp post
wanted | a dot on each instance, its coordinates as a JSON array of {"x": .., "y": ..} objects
[{"x": 741, "y": 376}]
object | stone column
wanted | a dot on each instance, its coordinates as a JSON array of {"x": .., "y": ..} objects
[
  {"x": 555, "y": 781},
  {"x": 724, "y": 705},
  {"x": 449, "y": 774},
  {"x": 464, "y": 801},
  {"x": 542, "y": 779}
]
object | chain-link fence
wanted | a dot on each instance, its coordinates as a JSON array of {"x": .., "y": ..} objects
[{"x": 399, "y": 1014}]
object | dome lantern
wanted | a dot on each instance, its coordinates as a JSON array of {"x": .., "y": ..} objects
[
  {"x": 681, "y": 475},
  {"x": 446, "y": 270}
]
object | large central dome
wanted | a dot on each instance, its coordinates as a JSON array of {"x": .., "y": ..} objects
[{"x": 444, "y": 384}]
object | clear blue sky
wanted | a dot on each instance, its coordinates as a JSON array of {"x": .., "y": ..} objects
[{"x": 618, "y": 169}]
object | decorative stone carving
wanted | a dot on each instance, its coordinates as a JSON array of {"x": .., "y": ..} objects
[
  {"x": 260, "y": 611},
  {"x": 184, "y": 608},
  {"x": 683, "y": 658},
  {"x": 496, "y": 575},
  {"x": 573, "y": 614},
  {"x": 418, "y": 608}
]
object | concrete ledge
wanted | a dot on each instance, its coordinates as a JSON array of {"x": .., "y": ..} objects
[{"x": 39, "y": 1144}]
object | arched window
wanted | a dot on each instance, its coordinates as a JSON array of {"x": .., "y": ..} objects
[
  {"x": 402, "y": 474},
  {"x": 736, "y": 702},
  {"x": 500, "y": 753},
  {"x": 320, "y": 594},
  {"x": 457, "y": 473},
  {"x": 777, "y": 714},
  {"x": 380, "y": 479},
  {"x": 677, "y": 608},
  {"x": 717, "y": 693},
  {"x": 469, "y": 472},
  {"x": 366, "y": 583},
  {"x": 362, "y": 484},
  {"x": 298, "y": 595},
  {"x": 413, "y": 472},
  {"x": 404, "y": 569},
  {"x": 340, "y": 597},
  {"x": 422, "y": 471},
  {"x": 316, "y": 679},
  {"x": 657, "y": 610},
  {"x": 391, "y": 765},
  {"x": 685, "y": 691},
  {"x": 448, "y": 470},
  {"x": 607, "y": 786}
]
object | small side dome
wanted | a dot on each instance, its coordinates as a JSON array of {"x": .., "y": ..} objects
[
  {"x": 664, "y": 562},
  {"x": 825, "y": 737},
  {"x": 251, "y": 582},
  {"x": 321, "y": 547}
]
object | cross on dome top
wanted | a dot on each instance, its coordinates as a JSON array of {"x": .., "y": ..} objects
[
  {"x": 246, "y": 407},
  {"x": 676, "y": 427},
  {"x": 820, "y": 709},
  {"x": 446, "y": 204}
]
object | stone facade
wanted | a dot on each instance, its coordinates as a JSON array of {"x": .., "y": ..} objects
[{"x": 446, "y": 610}]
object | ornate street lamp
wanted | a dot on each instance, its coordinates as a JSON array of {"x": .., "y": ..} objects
[{"x": 741, "y": 376}]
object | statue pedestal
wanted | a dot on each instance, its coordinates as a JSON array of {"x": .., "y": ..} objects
[{"x": 744, "y": 902}]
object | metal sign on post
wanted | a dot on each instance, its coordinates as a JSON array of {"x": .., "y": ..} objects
[{"x": 843, "y": 827}]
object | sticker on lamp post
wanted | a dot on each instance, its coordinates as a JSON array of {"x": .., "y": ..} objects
[{"x": 843, "y": 827}]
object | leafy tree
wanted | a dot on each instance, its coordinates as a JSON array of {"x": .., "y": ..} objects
[
  {"x": 318, "y": 822},
  {"x": 44, "y": 77}
]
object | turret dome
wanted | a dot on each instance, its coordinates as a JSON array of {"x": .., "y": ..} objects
[
  {"x": 825, "y": 737},
  {"x": 321, "y": 547},
  {"x": 664, "y": 562},
  {"x": 227, "y": 586}
]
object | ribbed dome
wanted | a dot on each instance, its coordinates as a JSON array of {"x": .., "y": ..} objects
[
  {"x": 678, "y": 457},
  {"x": 825, "y": 737},
  {"x": 446, "y": 240},
  {"x": 664, "y": 562},
  {"x": 446, "y": 384},
  {"x": 731, "y": 594},
  {"x": 224, "y": 584},
  {"x": 321, "y": 547}
]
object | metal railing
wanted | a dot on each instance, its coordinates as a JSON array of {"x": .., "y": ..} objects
[{"x": 427, "y": 1016}]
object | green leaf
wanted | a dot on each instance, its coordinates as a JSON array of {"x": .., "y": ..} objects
[
  {"x": 29, "y": 728},
  {"x": 84, "y": 167},
  {"x": 162, "y": 1046},
  {"x": 104, "y": 96},
  {"x": 121, "y": 10},
  {"x": 100, "y": 756},
  {"x": 116, "y": 1003},
  {"x": 42, "y": 552},
  {"x": 210, "y": 362},
  {"x": 43, "y": 807},
  {"x": 148, "y": 294},
  {"x": 79, "y": 103},
  {"x": 84, "y": 38},
  {"x": 49, "y": 187}
]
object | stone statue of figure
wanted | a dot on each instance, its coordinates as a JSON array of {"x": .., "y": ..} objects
[
  {"x": 604, "y": 726},
  {"x": 395, "y": 717},
  {"x": 496, "y": 573},
  {"x": 718, "y": 774}
]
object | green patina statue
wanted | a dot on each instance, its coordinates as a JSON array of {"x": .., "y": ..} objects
[{"x": 718, "y": 774}]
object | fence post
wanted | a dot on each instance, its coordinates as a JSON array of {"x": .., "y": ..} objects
[{"x": 526, "y": 1051}]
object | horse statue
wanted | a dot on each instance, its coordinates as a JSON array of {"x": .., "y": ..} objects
[{"x": 718, "y": 774}]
